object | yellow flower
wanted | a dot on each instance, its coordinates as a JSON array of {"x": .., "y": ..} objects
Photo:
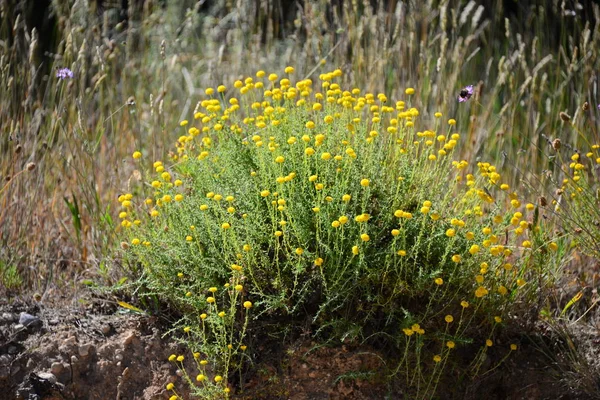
[
  {"x": 180, "y": 358},
  {"x": 451, "y": 122},
  {"x": 497, "y": 319},
  {"x": 480, "y": 292},
  {"x": 553, "y": 246},
  {"x": 299, "y": 251},
  {"x": 449, "y": 318},
  {"x": 456, "y": 258},
  {"x": 170, "y": 386},
  {"x": 474, "y": 249},
  {"x": 218, "y": 378},
  {"x": 395, "y": 232},
  {"x": 319, "y": 262},
  {"x": 365, "y": 237},
  {"x": 450, "y": 232},
  {"x": 203, "y": 316},
  {"x": 187, "y": 329},
  {"x": 439, "y": 281},
  {"x": 513, "y": 347},
  {"x": 355, "y": 250},
  {"x": 489, "y": 343},
  {"x": 222, "y": 314},
  {"x": 279, "y": 159},
  {"x": 526, "y": 244},
  {"x": 172, "y": 357},
  {"x": 364, "y": 182},
  {"x": 450, "y": 344},
  {"x": 137, "y": 155},
  {"x": 221, "y": 88},
  {"x": 200, "y": 377},
  {"x": 346, "y": 198},
  {"x": 225, "y": 225},
  {"x": 409, "y": 91},
  {"x": 210, "y": 300},
  {"x": 247, "y": 305},
  {"x": 502, "y": 290},
  {"x": 437, "y": 358},
  {"x": 464, "y": 304}
]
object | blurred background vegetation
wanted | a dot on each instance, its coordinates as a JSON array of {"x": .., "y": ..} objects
[{"x": 140, "y": 67}]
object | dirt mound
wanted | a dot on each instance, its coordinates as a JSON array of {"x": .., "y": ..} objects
[
  {"x": 77, "y": 354},
  {"x": 95, "y": 352}
]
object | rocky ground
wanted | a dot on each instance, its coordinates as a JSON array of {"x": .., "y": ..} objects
[{"x": 96, "y": 352}]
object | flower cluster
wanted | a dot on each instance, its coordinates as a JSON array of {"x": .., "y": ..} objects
[{"x": 307, "y": 187}]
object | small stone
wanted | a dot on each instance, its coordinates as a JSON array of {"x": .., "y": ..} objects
[
  {"x": 18, "y": 327},
  {"x": 56, "y": 368},
  {"x": 119, "y": 357},
  {"x": 106, "y": 329},
  {"x": 304, "y": 366},
  {"x": 129, "y": 339},
  {"x": 74, "y": 359},
  {"x": 71, "y": 340},
  {"x": 86, "y": 349},
  {"x": 312, "y": 374},
  {"x": 53, "y": 322},
  {"x": 29, "y": 320},
  {"x": 7, "y": 318},
  {"x": 47, "y": 376}
]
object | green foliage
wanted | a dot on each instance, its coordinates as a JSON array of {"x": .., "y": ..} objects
[
  {"x": 337, "y": 208},
  {"x": 9, "y": 277}
]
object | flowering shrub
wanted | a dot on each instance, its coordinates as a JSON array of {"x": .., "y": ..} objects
[
  {"x": 577, "y": 200},
  {"x": 339, "y": 206}
]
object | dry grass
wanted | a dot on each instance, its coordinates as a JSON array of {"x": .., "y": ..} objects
[{"x": 135, "y": 79}]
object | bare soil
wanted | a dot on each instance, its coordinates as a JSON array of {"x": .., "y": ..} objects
[{"x": 94, "y": 352}]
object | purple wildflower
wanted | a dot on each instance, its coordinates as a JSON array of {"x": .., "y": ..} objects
[
  {"x": 465, "y": 94},
  {"x": 64, "y": 73},
  {"x": 598, "y": 106}
]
